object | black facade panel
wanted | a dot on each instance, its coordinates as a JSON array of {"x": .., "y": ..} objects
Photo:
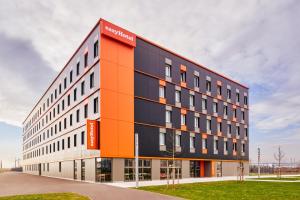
[
  {"x": 149, "y": 112},
  {"x": 151, "y": 60},
  {"x": 146, "y": 86},
  {"x": 170, "y": 93}
]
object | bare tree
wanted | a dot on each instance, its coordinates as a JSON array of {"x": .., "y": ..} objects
[
  {"x": 171, "y": 152},
  {"x": 278, "y": 157}
]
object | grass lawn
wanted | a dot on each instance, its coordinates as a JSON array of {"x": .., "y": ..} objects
[
  {"x": 231, "y": 190},
  {"x": 50, "y": 196},
  {"x": 286, "y": 178}
]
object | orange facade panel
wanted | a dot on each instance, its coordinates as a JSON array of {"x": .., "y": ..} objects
[{"x": 117, "y": 98}]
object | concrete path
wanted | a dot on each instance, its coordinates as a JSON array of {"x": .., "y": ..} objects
[
  {"x": 186, "y": 180},
  {"x": 14, "y": 183}
]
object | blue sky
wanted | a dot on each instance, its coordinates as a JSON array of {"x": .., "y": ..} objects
[{"x": 254, "y": 42}]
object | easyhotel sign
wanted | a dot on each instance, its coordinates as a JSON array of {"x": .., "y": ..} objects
[
  {"x": 118, "y": 33},
  {"x": 92, "y": 134}
]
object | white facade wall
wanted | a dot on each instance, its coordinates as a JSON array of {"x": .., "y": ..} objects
[{"x": 39, "y": 131}]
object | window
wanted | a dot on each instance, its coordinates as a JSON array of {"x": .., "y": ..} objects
[
  {"x": 219, "y": 126},
  {"x": 177, "y": 96},
  {"x": 71, "y": 119},
  {"x": 234, "y": 113},
  {"x": 204, "y": 104},
  {"x": 65, "y": 123},
  {"x": 208, "y": 86},
  {"x": 69, "y": 142},
  {"x": 234, "y": 146},
  {"x": 92, "y": 80},
  {"x": 144, "y": 169},
  {"x": 71, "y": 76},
  {"x": 219, "y": 90},
  {"x": 197, "y": 122},
  {"x": 237, "y": 97},
  {"x": 192, "y": 142},
  {"x": 183, "y": 76},
  {"x": 77, "y": 115},
  {"x": 162, "y": 91},
  {"x": 243, "y": 148},
  {"x": 75, "y": 140},
  {"x": 196, "y": 81},
  {"x": 58, "y": 145},
  {"x": 204, "y": 143},
  {"x": 75, "y": 94},
  {"x": 58, "y": 106},
  {"x": 96, "y": 48},
  {"x": 168, "y": 70},
  {"x": 86, "y": 55},
  {"x": 238, "y": 130},
  {"x": 96, "y": 110},
  {"x": 59, "y": 166},
  {"x": 65, "y": 83},
  {"x": 69, "y": 100},
  {"x": 82, "y": 170},
  {"x": 246, "y": 132},
  {"x": 245, "y": 100},
  {"x": 59, "y": 89},
  {"x": 183, "y": 119},
  {"x": 226, "y": 145},
  {"x": 51, "y": 98},
  {"x": 208, "y": 125},
  {"x": 82, "y": 138},
  {"x": 225, "y": 110},
  {"x": 168, "y": 116},
  {"x": 85, "y": 110},
  {"x": 166, "y": 169},
  {"x": 192, "y": 100},
  {"x": 178, "y": 140},
  {"x": 63, "y": 144},
  {"x": 53, "y": 147},
  {"x": 228, "y": 128},
  {"x": 103, "y": 169},
  {"x": 63, "y": 104},
  {"x": 215, "y": 107},
  {"x": 82, "y": 88},
  {"x": 228, "y": 94},
  {"x": 162, "y": 138},
  {"x": 77, "y": 68},
  {"x": 55, "y": 93},
  {"x": 216, "y": 145}
]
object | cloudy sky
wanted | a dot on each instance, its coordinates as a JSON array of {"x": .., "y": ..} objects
[{"x": 255, "y": 42}]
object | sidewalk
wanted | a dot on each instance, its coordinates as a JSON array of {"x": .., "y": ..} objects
[{"x": 185, "y": 180}]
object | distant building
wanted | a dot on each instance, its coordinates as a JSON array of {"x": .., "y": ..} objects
[{"x": 117, "y": 84}]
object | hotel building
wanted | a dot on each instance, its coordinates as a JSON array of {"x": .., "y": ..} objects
[{"x": 117, "y": 84}]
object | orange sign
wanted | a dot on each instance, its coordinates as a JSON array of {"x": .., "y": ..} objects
[
  {"x": 118, "y": 33},
  {"x": 92, "y": 134}
]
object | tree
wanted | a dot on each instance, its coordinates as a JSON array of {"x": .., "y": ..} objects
[{"x": 278, "y": 157}]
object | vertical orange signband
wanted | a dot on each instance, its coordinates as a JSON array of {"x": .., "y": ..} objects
[{"x": 92, "y": 134}]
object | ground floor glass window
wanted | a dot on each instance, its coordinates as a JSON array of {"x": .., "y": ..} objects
[
  {"x": 167, "y": 167},
  {"x": 103, "y": 169},
  {"x": 144, "y": 169},
  {"x": 195, "y": 168}
]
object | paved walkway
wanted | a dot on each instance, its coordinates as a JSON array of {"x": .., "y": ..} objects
[
  {"x": 186, "y": 180},
  {"x": 14, "y": 183}
]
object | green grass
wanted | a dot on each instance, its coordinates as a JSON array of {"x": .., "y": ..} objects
[
  {"x": 286, "y": 178},
  {"x": 50, "y": 196},
  {"x": 231, "y": 190}
]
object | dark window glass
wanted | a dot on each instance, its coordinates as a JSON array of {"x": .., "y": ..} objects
[{"x": 96, "y": 49}]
